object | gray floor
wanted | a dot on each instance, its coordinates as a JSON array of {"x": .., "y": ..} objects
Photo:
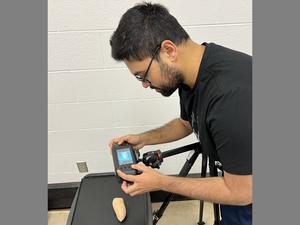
[{"x": 177, "y": 213}]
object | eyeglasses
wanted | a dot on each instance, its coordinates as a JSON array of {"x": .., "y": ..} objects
[{"x": 144, "y": 78}]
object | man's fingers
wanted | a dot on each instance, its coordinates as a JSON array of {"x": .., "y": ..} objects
[
  {"x": 121, "y": 140},
  {"x": 126, "y": 176},
  {"x": 139, "y": 167},
  {"x": 124, "y": 186},
  {"x": 111, "y": 143},
  {"x": 118, "y": 141},
  {"x": 128, "y": 188},
  {"x": 134, "y": 193}
]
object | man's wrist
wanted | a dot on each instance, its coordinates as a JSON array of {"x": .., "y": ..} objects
[{"x": 163, "y": 182}]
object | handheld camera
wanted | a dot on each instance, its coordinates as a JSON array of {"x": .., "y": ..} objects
[{"x": 124, "y": 156}]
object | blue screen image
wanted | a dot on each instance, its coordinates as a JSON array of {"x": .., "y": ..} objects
[{"x": 124, "y": 156}]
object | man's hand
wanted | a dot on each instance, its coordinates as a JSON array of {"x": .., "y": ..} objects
[
  {"x": 149, "y": 180},
  {"x": 134, "y": 139}
]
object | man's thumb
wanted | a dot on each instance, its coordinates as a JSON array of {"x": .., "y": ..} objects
[{"x": 139, "y": 167}]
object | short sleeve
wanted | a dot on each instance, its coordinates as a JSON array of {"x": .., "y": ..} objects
[{"x": 229, "y": 121}]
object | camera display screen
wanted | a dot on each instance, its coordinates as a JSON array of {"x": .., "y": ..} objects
[{"x": 124, "y": 156}]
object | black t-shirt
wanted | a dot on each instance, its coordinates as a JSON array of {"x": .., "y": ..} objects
[{"x": 219, "y": 107}]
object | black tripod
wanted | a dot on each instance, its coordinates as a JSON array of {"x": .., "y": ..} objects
[{"x": 155, "y": 158}]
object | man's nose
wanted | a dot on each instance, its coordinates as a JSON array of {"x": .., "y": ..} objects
[{"x": 145, "y": 84}]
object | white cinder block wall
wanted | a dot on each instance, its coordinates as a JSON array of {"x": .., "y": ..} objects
[{"x": 92, "y": 98}]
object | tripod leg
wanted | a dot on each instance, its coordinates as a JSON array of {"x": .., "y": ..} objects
[
  {"x": 201, "y": 222},
  {"x": 214, "y": 173},
  {"x": 203, "y": 174},
  {"x": 183, "y": 172},
  {"x": 158, "y": 214},
  {"x": 217, "y": 214}
]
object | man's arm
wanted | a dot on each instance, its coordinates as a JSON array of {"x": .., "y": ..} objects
[
  {"x": 230, "y": 189},
  {"x": 172, "y": 131}
]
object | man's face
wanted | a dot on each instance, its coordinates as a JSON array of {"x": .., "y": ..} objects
[{"x": 162, "y": 77}]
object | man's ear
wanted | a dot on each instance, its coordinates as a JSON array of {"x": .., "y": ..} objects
[{"x": 169, "y": 50}]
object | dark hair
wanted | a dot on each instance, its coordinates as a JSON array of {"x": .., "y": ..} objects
[{"x": 141, "y": 29}]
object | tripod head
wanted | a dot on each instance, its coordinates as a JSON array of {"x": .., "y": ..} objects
[{"x": 153, "y": 159}]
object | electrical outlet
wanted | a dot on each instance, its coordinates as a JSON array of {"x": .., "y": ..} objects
[{"x": 82, "y": 167}]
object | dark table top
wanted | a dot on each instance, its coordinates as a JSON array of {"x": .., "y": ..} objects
[{"x": 93, "y": 205}]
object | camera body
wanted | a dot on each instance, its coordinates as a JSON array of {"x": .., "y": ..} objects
[{"x": 124, "y": 156}]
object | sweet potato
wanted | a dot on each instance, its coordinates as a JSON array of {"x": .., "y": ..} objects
[{"x": 119, "y": 208}]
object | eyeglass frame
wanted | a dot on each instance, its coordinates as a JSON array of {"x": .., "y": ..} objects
[{"x": 144, "y": 78}]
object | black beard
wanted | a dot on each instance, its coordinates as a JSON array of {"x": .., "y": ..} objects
[
  {"x": 174, "y": 78},
  {"x": 167, "y": 91}
]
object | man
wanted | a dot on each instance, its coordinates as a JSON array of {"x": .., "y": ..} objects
[{"x": 214, "y": 85}]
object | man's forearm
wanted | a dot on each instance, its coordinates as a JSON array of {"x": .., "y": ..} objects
[
  {"x": 211, "y": 189},
  {"x": 172, "y": 131}
]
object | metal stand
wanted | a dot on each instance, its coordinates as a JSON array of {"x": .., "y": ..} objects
[
  {"x": 213, "y": 171},
  {"x": 155, "y": 158},
  {"x": 203, "y": 174}
]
